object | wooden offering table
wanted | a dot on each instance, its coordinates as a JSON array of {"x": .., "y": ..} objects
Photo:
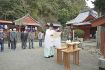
[
  {"x": 72, "y": 48},
  {"x": 59, "y": 55},
  {"x": 66, "y": 57}
]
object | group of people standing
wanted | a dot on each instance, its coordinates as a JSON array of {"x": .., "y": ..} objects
[
  {"x": 30, "y": 37},
  {"x": 24, "y": 37},
  {"x": 13, "y": 36}
]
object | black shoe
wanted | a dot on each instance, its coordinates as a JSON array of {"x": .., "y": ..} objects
[
  {"x": 47, "y": 57},
  {"x": 52, "y": 56}
]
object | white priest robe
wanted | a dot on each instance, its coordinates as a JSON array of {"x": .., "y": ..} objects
[{"x": 48, "y": 43}]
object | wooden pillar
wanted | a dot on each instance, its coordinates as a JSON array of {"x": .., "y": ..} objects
[
  {"x": 66, "y": 60},
  {"x": 59, "y": 56},
  {"x": 103, "y": 41}
]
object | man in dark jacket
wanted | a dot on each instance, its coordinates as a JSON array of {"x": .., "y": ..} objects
[
  {"x": 24, "y": 36},
  {"x": 8, "y": 37}
]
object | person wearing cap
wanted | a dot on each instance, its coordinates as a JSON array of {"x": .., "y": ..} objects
[
  {"x": 13, "y": 38},
  {"x": 1, "y": 40},
  {"x": 48, "y": 43},
  {"x": 24, "y": 36}
]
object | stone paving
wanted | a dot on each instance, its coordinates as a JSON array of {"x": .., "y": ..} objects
[{"x": 33, "y": 59}]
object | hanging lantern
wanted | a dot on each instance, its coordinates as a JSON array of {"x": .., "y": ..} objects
[
  {"x": 58, "y": 28},
  {"x": 35, "y": 28},
  {"x": 5, "y": 26},
  {"x": 26, "y": 27}
]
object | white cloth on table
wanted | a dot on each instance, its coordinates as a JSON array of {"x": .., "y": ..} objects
[{"x": 57, "y": 39}]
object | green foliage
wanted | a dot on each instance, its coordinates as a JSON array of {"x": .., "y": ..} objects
[
  {"x": 62, "y": 10},
  {"x": 69, "y": 9},
  {"x": 12, "y": 9},
  {"x": 79, "y": 33},
  {"x": 100, "y": 5}
]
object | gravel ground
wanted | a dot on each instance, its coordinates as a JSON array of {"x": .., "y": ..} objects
[{"x": 33, "y": 59}]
